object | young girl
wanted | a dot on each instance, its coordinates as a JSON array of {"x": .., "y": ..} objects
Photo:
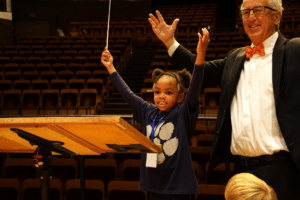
[{"x": 168, "y": 175}]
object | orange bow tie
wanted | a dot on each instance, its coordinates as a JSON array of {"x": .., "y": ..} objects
[{"x": 260, "y": 49}]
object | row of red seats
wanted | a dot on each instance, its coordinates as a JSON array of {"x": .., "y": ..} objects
[{"x": 94, "y": 190}]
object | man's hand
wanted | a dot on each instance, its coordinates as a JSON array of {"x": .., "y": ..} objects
[
  {"x": 162, "y": 30},
  {"x": 202, "y": 46},
  {"x": 107, "y": 61}
]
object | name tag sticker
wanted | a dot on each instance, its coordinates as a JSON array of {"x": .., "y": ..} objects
[{"x": 151, "y": 160}]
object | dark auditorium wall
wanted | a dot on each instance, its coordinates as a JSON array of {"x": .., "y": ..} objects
[
  {"x": 43, "y": 17},
  {"x": 6, "y": 32}
]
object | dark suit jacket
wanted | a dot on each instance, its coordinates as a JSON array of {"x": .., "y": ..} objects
[{"x": 226, "y": 73}]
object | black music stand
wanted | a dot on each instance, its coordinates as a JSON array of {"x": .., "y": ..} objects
[{"x": 43, "y": 157}]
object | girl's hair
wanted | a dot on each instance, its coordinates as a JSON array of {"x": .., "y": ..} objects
[
  {"x": 182, "y": 77},
  {"x": 246, "y": 186}
]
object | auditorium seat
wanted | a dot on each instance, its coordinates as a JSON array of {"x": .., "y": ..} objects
[
  {"x": 97, "y": 29},
  {"x": 25, "y": 53},
  {"x": 218, "y": 175},
  {"x": 205, "y": 140},
  {"x": 95, "y": 59},
  {"x": 211, "y": 192},
  {"x": 57, "y": 67},
  {"x": 41, "y": 67},
  {"x": 90, "y": 67},
  {"x": 67, "y": 75},
  {"x": 5, "y": 85},
  {"x": 37, "y": 47},
  {"x": 98, "y": 52},
  {"x": 80, "y": 59},
  {"x": 31, "y": 75},
  {"x": 50, "y": 47},
  {"x": 71, "y": 53},
  {"x": 22, "y": 85},
  {"x": 77, "y": 84},
  {"x": 86, "y": 53},
  {"x": 81, "y": 42},
  {"x": 160, "y": 65},
  {"x": 27, "y": 42},
  {"x": 101, "y": 169},
  {"x": 31, "y": 102},
  {"x": 10, "y": 67},
  {"x": 18, "y": 59},
  {"x": 103, "y": 74},
  {"x": 141, "y": 42},
  {"x": 20, "y": 168},
  {"x": 10, "y": 53},
  {"x": 9, "y": 47},
  {"x": 64, "y": 169},
  {"x": 50, "y": 100},
  {"x": 131, "y": 170},
  {"x": 67, "y": 42},
  {"x": 95, "y": 42},
  {"x": 92, "y": 47},
  {"x": 147, "y": 95},
  {"x": 50, "y": 59},
  {"x": 94, "y": 189},
  {"x": 55, "y": 53},
  {"x": 64, "y": 47},
  {"x": 40, "y": 84},
  {"x": 41, "y": 53},
  {"x": 148, "y": 83},
  {"x": 96, "y": 84},
  {"x": 201, "y": 155},
  {"x": 58, "y": 84},
  {"x": 200, "y": 129},
  {"x": 53, "y": 40},
  {"x": 23, "y": 48},
  {"x": 41, "y": 42},
  {"x": 13, "y": 75},
  {"x": 78, "y": 47},
  {"x": 89, "y": 102},
  {"x": 32, "y": 189},
  {"x": 125, "y": 190},
  {"x": 212, "y": 96},
  {"x": 75, "y": 67},
  {"x": 83, "y": 75},
  {"x": 65, "y": 59},
  {"x": 9, "y": 189},
  {"x": 69, "y": 101}
]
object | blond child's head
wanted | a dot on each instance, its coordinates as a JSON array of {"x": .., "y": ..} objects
[
  {"x": 246, "y": 186},
  {"x": 169, "y": 88}
]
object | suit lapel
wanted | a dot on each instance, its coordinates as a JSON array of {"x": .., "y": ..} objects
[
  {"x": 235, "y": 73},
  {"x": 277, "y": 63}
]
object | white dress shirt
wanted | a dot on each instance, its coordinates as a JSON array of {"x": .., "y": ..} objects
[{"x": 255, "y": 128}]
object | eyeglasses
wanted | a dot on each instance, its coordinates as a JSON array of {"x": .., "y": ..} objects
[{"x": 258, "y": 11}]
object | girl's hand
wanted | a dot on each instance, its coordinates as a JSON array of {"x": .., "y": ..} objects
[
  {"x": 107, "y": 61},
  {"x": 202, "y": 46}
]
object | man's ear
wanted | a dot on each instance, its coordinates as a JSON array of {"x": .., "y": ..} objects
[{"x": 277, "y": 17}]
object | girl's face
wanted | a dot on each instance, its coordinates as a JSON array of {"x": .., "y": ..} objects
[{"x": 166, "y": 95}]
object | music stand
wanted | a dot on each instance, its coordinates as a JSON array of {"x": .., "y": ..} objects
[{"x": 79, "y": 135}]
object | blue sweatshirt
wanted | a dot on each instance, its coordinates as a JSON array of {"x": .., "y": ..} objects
[{"x": 174, "y": 173}]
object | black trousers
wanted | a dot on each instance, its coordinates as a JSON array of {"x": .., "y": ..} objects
[
  {"x": 156, "y": 196},
  {"x": 282, "y": 175}
]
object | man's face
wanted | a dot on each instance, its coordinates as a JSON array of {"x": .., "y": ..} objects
[{"x": 259, "y": 28}]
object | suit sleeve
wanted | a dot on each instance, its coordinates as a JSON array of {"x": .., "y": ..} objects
[{"x": 183, "y": 58}]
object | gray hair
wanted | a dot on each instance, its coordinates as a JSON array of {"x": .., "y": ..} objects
[{"x": 275, "y": 4}]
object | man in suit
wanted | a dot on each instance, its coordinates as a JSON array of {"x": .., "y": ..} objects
[{"x": 259, "y": 111}]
